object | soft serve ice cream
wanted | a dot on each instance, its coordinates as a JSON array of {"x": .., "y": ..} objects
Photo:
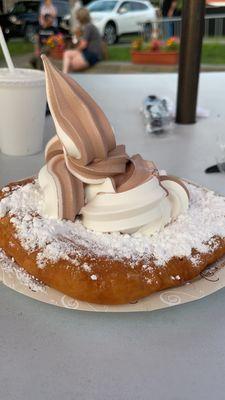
[{"x": 88, "y": 174}]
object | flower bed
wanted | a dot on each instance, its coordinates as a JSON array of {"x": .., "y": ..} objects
[
  {"x": 153, "y": 57},
  {"x": 155, "y": 52}
]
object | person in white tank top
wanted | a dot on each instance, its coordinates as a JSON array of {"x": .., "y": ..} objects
[{"x": 48, "y": 8}]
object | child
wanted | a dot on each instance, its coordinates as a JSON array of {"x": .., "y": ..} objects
[{"x": 44, "y": 32}]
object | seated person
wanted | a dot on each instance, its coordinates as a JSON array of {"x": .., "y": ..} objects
[
  {"x": 74, "y": 24},
  {"x": 44, "y": 32},
  {"x": 89, "y": 50}
]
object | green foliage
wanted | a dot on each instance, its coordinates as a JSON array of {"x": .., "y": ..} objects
[
  {"x": 179, "y": 4},
  {"x": 18, "y": 47}
]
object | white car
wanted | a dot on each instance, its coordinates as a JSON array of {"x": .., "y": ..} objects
[{"x": 114, "y": 18}]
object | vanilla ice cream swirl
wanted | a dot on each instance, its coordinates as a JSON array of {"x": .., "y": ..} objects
[{"x": 88, "y": 174}]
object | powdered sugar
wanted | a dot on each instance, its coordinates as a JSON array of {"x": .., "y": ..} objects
[
  {"x": 9, "y": 266},
  {"x": 57, "y": 239},
  {"x": 24, "y": 200},
  {"x": 86, "y": 267}
]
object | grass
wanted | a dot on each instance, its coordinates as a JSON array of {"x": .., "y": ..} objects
[
  {"x": 212, "y": 53},
  {"x": 18, "y": 47},
  {"x": 119, "y": 53}
]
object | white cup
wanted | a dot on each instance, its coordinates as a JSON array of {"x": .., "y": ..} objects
[{"x": 22, "y": 111}]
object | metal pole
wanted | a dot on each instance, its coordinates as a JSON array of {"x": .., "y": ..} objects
[{"x": 190, "y": 58}]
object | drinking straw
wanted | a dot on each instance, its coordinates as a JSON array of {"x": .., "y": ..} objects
[{"x": 6, "y": 52}]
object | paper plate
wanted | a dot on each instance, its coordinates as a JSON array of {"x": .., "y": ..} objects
[{"x": 211, "y": 280}]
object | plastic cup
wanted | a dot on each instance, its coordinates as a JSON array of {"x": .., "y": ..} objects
[{"x": 22, "y": 108}]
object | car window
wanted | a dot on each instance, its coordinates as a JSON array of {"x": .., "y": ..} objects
[
  {"x": 32, "y": 7},
  {"x": 26, "y": 7},
  {"x": 136, "y": 6},
  {"x": 101, "y": 6},
  {"x": 18, "y": 8},
  {"x": 125, "y": 7}
]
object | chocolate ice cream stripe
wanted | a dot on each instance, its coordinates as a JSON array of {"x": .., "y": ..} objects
[
  {"x": 80, "y": 124},
  {"x": 175, "y": 179},
  {"x": 120, "y": 194},
  {"x": 99, "y": 170},
  {"x": 101, "y": 121},
  {"x": 138, "y": 171},
  {"x": 53, "y": 148},
  {"x": 69, "y": 190}
]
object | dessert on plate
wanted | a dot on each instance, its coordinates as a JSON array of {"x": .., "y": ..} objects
[{"x": 98, "y": 224}]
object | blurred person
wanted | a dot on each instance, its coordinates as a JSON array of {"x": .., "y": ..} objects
[
  {"x": 169, "y": 10},
  {"x": 46, "y": 30},
  {"x": 47, "y": 8},
  {"x": 89, "y": 49},
  {"x": 74, "y": 23},
  {"x": 173, "y": 11}
]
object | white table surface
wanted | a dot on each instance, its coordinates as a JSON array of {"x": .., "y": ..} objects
[{"x": 174, "y": 354}]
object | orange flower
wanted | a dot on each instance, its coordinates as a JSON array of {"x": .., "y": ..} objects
[
  {"x": 56, "y": 41},
  {"x": 172, "y": 43},
  {"x": 172, "y": 40},
  {"x": 137, "y": 44}
]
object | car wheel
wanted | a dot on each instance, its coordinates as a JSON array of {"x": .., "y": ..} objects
[
  {"x": 110, "y": 34},
  {"x": 30, "y": 32}
]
